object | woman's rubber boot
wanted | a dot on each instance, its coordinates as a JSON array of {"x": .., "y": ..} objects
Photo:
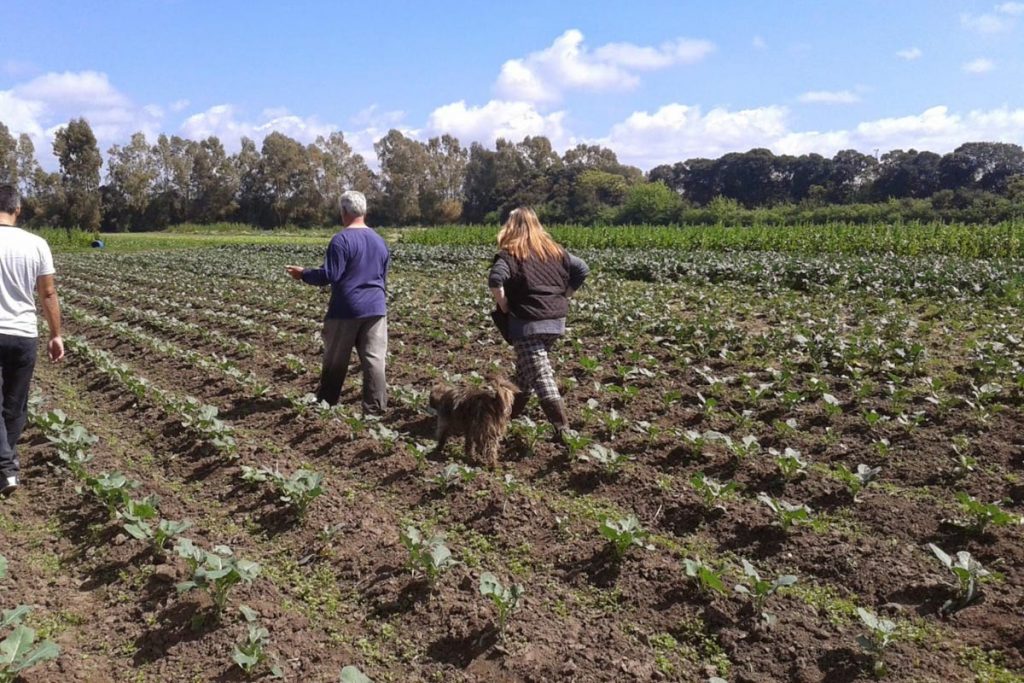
[{"x": 554, "y": 409}]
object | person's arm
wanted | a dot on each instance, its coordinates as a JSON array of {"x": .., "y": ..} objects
[
  {"x": 578, "y": 271},
  {"x": 47, "y": 290},
  {"x": 330, "y": 272},
  {"x": 496, "y": 283}
]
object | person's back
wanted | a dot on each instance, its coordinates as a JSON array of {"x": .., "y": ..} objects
[
  {"x": 359, "y": 274},
  {"x": 24, "y": 257}
]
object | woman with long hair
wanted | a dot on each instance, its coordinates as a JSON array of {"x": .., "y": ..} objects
[{"x": 532, "y": 279}]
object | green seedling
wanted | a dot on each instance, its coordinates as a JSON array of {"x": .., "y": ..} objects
[
  {"x": 623, "y": 534},
  {"x": 759, "y": 590},
  {"x": 712, "y": 491},
  {"x": 299, "y": 490},
  {"x": 216, "y": 572},
  {"x": 252, "y": 653},
  {"x": 881, "y": 633},
  {"x": 791, "y": 465},
  {"x": 136, "y": 516},
  {"x": 609, "y": 460},
  {"x": 454, "y": 475},
  {"x": 427, "y": 557},
  {"x": 575, "y": 442},
  {"x": 706, "y": 578},
  {"x": 112, "y": 490},
  {"x": 786, "y": 514},
  {"x": 981, "y": 515},
  {"x": 856, "y": 481},
  {"x": 505, "y": 598},
  {"x": 20, "y": 651},
  {"x": 968, "y": 573},
  {"x": 351, "y": 674}
]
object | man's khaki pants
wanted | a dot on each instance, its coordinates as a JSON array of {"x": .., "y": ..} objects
[{"x": 369, "y": 337}]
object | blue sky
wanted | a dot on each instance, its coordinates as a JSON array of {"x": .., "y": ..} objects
[{"x": 655, "y": 81}]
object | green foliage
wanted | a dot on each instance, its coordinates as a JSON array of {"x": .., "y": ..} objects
[
  {"x": 981, "y": 515},
  {"x": 967, "y": 572},
  {"x": 712, "y": 491},
  {"x": 759, "y": 590},
  {"x": 505, "y": 598},
  {"x": 252, "y": 653},
  {"x": 216, "y": 572},
  {"x": 298, "y": 490},
  {"x": 20, "y": 651},
  {"x": 706, "y": 578},
  {"x": 429, "y": 557},
  {"x": 623, "y": 534},
  {"x": 856, "y": 481},
  {"x": 786, "y": 514},
  {"x": 351, "y": 674},
  {"x": 881, "y": 633},
  {"x": 608, "y": 459}
]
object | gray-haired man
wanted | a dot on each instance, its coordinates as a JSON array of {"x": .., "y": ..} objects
[
  {"x": 356, "y": 268},
  {"x": 26, "y": 268}
]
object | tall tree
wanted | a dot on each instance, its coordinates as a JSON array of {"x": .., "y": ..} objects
[
  {"x": 8, "y": 156},
  {"x": 74, "y": 145},
  {"x": 131, "y": 173},
  {"x": 441, "y": 195},
  {"x": 251, "y": 197},
  {"x": 336, "y": 170},
  {"x": 214, "y": 183},
  {"x": 403, "y": 170},
  {"x": 289, "y": 181}
]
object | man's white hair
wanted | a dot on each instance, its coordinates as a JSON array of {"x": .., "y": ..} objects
[{"x": 353, "y": 203}]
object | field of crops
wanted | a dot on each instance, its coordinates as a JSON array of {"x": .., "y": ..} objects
[{"x": 788, "y": 465}]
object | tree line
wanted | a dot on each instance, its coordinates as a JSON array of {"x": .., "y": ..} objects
[{"x": 172, "y": 180}]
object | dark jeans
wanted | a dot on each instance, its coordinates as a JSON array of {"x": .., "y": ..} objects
[
  {"x": 17, "y": 361},
  {"x": 369, "y": 337}
]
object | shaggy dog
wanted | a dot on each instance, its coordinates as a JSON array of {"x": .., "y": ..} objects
[{"x": 481, "y": 414}]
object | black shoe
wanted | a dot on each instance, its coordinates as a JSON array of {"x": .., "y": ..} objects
[{"x": 9, "y": 486}]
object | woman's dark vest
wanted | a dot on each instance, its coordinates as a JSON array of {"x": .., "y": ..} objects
[{"x": 536, "y": 289}]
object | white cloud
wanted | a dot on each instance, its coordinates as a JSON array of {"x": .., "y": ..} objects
[
  {"x": 979, "y": 66},
  {"x": 42, "y": 105},
  {"x": 179, "y": 105},
  {"x": 677, "y": 132},
  {"x": 496, "y": 119},
  {"x": 990, "y": 22},
  {"x": 759, "y": 43},
  {"x": 568, "y": 64},
  {"x": 1012, "y": 8},
  {"x": 829, "y": 97},
  {"x": 223, "y": 121},
  {"x": 910, "y": 54}
]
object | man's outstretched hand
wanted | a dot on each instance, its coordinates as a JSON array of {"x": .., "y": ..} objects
[{"x": 295, "y": 271}]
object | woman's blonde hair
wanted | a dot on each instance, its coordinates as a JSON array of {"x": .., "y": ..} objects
[{"x": 523, "y": 237}]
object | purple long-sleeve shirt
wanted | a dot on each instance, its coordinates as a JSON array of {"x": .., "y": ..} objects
[{"x": 356, "y": 268}]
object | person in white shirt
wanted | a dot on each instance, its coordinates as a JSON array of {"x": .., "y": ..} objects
[{"x": 26, "y": 268}]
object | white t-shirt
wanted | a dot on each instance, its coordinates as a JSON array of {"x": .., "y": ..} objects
[{"x": 24, "y": 257}]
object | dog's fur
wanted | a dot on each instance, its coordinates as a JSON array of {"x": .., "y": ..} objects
[{"x": 481, "y": 414}]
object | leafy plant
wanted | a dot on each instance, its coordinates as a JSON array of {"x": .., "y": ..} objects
[
  {"x": 575, "y": 442},
  {"x": 980, "y": 515},
  {"x": 20, "y": 651},
  {"x": 623, "y": 534},
  {"x": 136, "y": 515},
  {"x": 505, "y": 598},
  {"x": 453, "y": 475},
  {"x": 706, "y": 578},
  {"x": 429, "y": 557},
  {"x": 216, "y": 572},
  {"x": 967, "y": 571},
  {"x": 713, "y": 491},
  {"x": 351, "y": 674},
  {"x": 881, "y": 633},
  {"x": 786, "y": 514},
  {"x": 856, "y": 481},
  {"x": 112, "y": 490},
  {"x": 298, "y": 490},
  {"x": 759, "y": 590},
  {"x": 252, "y": 653},
  {"x": 609, "y": 460},
  {"x": 791, "y": 465}
]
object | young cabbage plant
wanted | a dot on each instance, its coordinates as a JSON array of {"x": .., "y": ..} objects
[
  {"x": 712, "y": 491},
  {"x": 706, "y": 578},
  {"x": 216, "y": 572},
  {"x": 968, "y": 573},
  {"x": 3, "y": 567},
  {"x": 136, "y": 515},
  {"x": 608, "y": 459},
  {"x": 856, "y": 481},
  {"x": 454, "y": 475},
  {"x": 575, "y": 442},
  {"x": 20, "y": 651},
  {"x": 791, "y": 465},
  {"x": 110, "y": 489},
  {"x": 351, "y": 674},
  {"x": 252, "y": 653},
  {"x": 759, "y": 590},
  {"x": 428, "y": 557},
  {"x": 299, "y": 490},
  {"x": 505, "y": 598},
  {"x": 981, "y": 515},
  {"x": 786, "y": 514},
  {"x": 881, "y": 633},
  {"x": 623, "y": 534}
]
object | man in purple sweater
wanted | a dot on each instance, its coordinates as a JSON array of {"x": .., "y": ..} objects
[{"x": 356, "y": 268}]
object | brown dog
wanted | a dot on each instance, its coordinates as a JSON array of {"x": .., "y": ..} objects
[{"x": 481, "y": 414}]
